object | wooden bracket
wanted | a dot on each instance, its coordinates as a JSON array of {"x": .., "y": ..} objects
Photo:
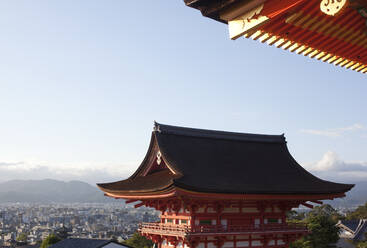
[
  {"x": 251, "y": 19},
  {"x": 246, "y": 22}
]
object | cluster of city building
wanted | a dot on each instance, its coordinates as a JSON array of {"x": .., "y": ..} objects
[{"x": 34, "y": 222}]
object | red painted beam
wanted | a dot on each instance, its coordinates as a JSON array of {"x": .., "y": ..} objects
[
  {"x": 139, "y": 205},
  {"x": 247, "y": 197},
  {"x": 274, "y": 8},
  {"x": 307, "y": 205}
]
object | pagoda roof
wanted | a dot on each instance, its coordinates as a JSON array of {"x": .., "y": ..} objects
[
  {"x": 330, "y": 31},
  {"x": 217, "y": 162}
]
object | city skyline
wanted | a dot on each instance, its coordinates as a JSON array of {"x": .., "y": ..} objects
[{"x": 82, "y": 83}]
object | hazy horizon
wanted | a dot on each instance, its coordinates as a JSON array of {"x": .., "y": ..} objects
[{"x": 329, "y": 167}]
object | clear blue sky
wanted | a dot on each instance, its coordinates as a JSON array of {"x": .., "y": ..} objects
[{"x": 82, "y": 82}]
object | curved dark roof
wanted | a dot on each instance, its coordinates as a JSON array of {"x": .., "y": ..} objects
[
  {"x": 225, "y": 162},
  {"x": 153, "y": 182},
  {"x": 84, "y": 243},
  {"x": 212, "y": 8},
  {"x": 217, "y": 135},
  {"x": 351, "y": 224}
]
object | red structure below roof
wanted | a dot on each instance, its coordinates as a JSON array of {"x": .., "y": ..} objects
[{"x": 330, "y": 31}]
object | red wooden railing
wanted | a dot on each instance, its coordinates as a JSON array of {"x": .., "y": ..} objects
[
  {"x": 250, "y": 228},
  {"x": 173, "y": 229},
  {"x": 159, "y": 228}
]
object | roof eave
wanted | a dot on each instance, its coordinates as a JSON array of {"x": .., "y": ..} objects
[
  {"x": 218, "y": 135},
  {"x": 141, "y": 195},
  {"x": 260, "y": 196},
  {"x": 179, "y": 191},
  {"x": 212, "y": 8},
  {"x": 152, "y": 190}
]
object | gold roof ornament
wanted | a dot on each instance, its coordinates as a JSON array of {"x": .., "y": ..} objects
[{"x": 332, "y": 7}]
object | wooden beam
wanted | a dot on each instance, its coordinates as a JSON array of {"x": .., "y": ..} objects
[
  {"x": 274, "y": 8},
  {"x": 251, "y": 15},
  {"x": 139, "y": 205},
  {"x": 246, "y": 22},
  {"x": 307, "y": 205},
  {"x": 259, "y": 197},
  {"x": 240, "y": 8}
]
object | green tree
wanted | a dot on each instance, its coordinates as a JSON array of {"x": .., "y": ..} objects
[
  {"x": 138, "y": 241},
  {"x": 323, "y": 231},
  {"x": 362, "y": 244},
  {"x": 302, "y": 243},
  {"x": 22, "y": 237},
  {"x": 326, "y": 210},
  {"x": 295, "y": 216},
  {"x": 359, "y": 213},
  {"x": 50, "y": 240}
]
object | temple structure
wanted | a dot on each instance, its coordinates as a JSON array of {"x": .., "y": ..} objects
[
  {"x": 333, "y": 31},
  {"x": 221, "y": 189}
]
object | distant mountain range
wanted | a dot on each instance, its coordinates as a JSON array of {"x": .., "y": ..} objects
[
  {"x": 51, "y": 191},
  {"x": 54, "y": 191},
  {"x": 357, "y": 196}
]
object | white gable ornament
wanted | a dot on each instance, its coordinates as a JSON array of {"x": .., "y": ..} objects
[
  {"x": 159, "y": 157},
  {"x": 332, "y": 7}
]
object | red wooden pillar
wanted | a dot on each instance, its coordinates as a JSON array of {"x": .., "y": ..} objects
[
  {"x": 194, "y": 242},
  {"x": 261, "y": 208},
  {"x": 192, "y": 209},
  {"x": 158, "y": 240},
  {"x": 174, "y": 241},
  {"x": 286, "y": 240},
  {"x": 219, "y": 210}
]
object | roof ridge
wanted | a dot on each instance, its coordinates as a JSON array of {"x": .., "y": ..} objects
[{"x": 215, "y": 134}]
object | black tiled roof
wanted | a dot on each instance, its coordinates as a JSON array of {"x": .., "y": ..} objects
[
  {"x": 358, "y": 228},
  {"x": 212, "y": 8},
  {"x": 156, "y": 181},
  {"x": 224, "y": 162},
  {"x": 218, "y": 135},
  {"x": 82, "y": 243},
  {"x": 351, "y": 224}
]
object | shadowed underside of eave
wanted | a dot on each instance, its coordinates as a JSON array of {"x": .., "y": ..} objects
[
  {"x": 156, "y": 182},
  {"x": 174, "y": 191}
]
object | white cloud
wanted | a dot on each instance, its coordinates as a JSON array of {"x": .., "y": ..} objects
[
  {"x": 335, "y": 132},
  {"x": 330, "y": 166},
  {"x": 88, "y": 172}
]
